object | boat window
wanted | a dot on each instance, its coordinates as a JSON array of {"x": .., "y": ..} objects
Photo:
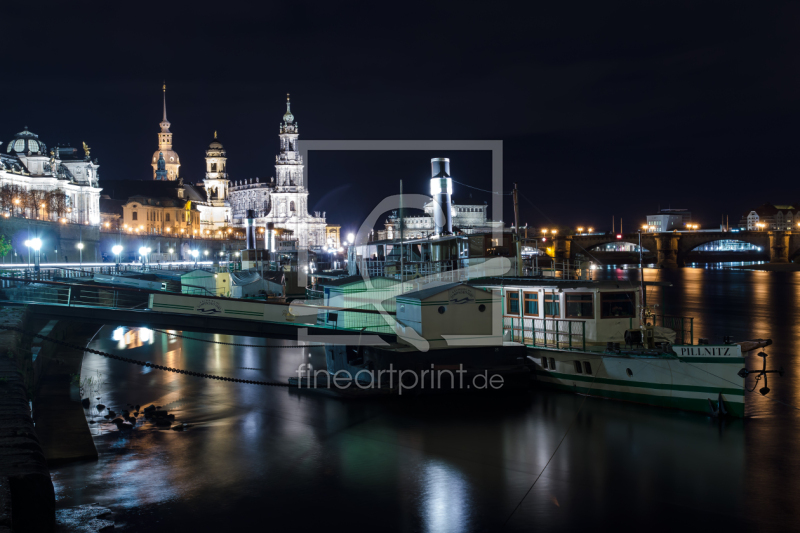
[
  {"x": 587, "y": 367},
  {"x": 552, "y": 307},
  {"x": 513, "y": 303},
  {"x": 552, "y": 363},
  {"x": 618, "y": 304},
  {"x": 578, "y": 367},
  {"x": 544, "y": 362},
  {"x": 579, "y": 305},
  {"x": 531, "y": 303}
]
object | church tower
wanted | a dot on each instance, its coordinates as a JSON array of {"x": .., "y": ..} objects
[
  {"x": 289, "y": 163},
  {"x": 216, "y": 180},
  {"x": 171, "y": 160}
]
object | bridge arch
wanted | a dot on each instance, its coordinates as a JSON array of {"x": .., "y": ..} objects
[{"x": 728, "y": 245}]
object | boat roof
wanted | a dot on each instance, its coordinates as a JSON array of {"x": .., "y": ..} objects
[
  {"x": 430, "y": 291},
  {"x": 550, "y": 282}
]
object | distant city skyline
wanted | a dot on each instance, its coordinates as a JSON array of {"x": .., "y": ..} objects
[{"x": 598, "y": 128}]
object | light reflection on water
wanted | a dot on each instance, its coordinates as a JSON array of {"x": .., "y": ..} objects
[{"x": 261, "y": 456}]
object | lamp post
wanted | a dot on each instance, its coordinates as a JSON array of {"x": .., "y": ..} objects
[
  {"x": 28, "y": 246},
  {"x": 80, "y": 251},
  {"x": 36, "y": 244},
  {"x": 195, "y": 253},
  {"x": 117, "y": 250}
]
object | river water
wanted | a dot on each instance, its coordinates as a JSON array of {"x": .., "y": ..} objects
[{"x": 265, "y": 458}]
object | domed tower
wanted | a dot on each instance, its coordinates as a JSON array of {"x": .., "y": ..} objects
[
  {"x": 216, "y": 180},
  {"x": 171, "y": 159},
  {"x": 24, "y": 142}
]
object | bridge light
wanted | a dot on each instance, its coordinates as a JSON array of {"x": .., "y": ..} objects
[
  {"x": 590, "y": 230},
  {"x": 619, "y": 236}
]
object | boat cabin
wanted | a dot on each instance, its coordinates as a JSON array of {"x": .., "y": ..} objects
[
  {"x": 576, "y": 314},
  {"x": 448, "y": 315}
]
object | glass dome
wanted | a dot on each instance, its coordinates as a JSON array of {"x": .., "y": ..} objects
[{"x": 24, "y": 142}]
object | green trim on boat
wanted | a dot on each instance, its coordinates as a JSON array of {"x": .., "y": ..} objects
[
  {"x": 699, "y": 405},
  {"x": 711, "y": 359},
  {"x": 641, "y": 384}
]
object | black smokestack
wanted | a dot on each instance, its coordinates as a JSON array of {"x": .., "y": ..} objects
[
  {"x": 250, "y": 230},
  {"x": 441, "y": 189}
]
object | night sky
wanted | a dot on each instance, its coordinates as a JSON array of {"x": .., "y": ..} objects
[{"x": 604, "y": 108}]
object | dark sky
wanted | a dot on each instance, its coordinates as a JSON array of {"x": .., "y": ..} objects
[{"x": 605, "y": 108}]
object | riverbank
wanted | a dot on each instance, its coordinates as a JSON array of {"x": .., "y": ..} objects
[{"x": 60, "y": 418}]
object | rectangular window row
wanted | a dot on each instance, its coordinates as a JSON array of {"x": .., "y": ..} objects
[{"x": 577, "y": 304}]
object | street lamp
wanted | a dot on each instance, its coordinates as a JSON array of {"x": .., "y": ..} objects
[
  {"x": 117, "y": 250},
  {"x": 28, "y": 246},
  {"x": 36, "y": 244},
  {"x": 80, "y": 250},
  {"x": 351, "y": 238},
  {"x": 580, "y": 231},
  {"x": 590, "y": 230},
  {"x": 195, "y": 253}
]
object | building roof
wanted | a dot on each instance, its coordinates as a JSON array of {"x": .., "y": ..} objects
[
  {"x": 124, "y": 189},
  {"x": 768, "y": 210},
  {"x": 109, "y": 206},
  {"x": 26, "y": 141}
]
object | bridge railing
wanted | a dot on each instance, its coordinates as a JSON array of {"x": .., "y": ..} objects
[
  {"x": 547, "y": 332},
  {"x": 48, "y": 292}
]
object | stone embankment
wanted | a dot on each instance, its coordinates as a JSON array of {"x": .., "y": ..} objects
[{"x": 27, "y": 498}]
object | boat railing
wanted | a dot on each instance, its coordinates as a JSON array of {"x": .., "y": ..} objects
[
  {"x": 547, "y": 332},
  {"x": 683, "y": 326}
]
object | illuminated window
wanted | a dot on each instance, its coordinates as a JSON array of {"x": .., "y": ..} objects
[
  {"x": 513, "y": 303},
  {"x": 579, "y": 305},
  {"x": 617, "y": 304},
  {"x": 19, "y": 145},
  {"x": 33, "y": 146},
  {"x": 531, "y": 303},
  {"x": 552, "y": 305}
]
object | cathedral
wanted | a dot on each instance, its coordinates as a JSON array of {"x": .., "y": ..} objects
[{"x": 282, "y": 201}]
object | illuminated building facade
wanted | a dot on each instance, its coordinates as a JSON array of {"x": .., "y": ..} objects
[{"x": 29, "y": 179}]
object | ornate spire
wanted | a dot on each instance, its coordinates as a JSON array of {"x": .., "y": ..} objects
[
  {"x": 164, "y": 122},
  {"x": 288, "y": 118}
]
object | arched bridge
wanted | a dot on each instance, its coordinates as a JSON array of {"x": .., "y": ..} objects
[{"x": 671, "y": 247}]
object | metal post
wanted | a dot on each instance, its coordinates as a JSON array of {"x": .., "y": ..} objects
[{"x": 517, "y": 244}]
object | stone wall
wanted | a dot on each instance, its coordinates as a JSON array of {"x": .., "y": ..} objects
[{"x": 27, "y": 497}]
